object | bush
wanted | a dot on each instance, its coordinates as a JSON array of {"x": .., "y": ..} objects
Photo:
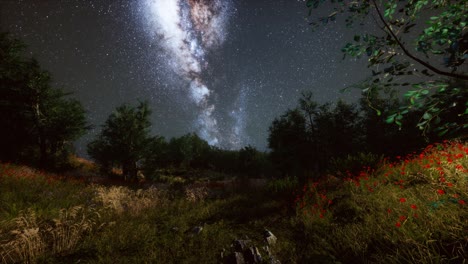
[{"x": 352, "y": 164}]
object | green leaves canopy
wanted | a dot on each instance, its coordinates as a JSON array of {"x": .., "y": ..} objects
[{"x": 398, "y": 56}]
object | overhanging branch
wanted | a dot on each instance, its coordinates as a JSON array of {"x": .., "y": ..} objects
[{"x": 407, "y": 53}]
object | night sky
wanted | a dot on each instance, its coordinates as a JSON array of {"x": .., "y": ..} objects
[{"x": 221, "y": 68}]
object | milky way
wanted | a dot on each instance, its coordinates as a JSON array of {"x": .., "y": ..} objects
[
  {"x": 188, "y": 30},
  {"x": 222, "y": 68}
]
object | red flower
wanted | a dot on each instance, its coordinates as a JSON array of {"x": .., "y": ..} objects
[
  {"x": 389, "y": 210},
  {"x": 461, "y": 202},
  {"x": 402, "y": 200},
  {"x": 402, "y": 218},
  {"x": 449, "y": 184},
  {"x": 398, "y": 224},
  {"x": 413, "y": 206},
  {"x": 440, "y": 191}
]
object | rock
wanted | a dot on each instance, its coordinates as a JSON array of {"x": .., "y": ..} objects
[
  {"x": 252, "y": 255},
  {"x": 197, "y": 230},
  {"x": 244, "y": 251},
  {"x": 269, "y": 237},
  {"x": 273, "y": 260},
  {"x": 235, "y": 258},
  {"x": 240, "y": 245}
]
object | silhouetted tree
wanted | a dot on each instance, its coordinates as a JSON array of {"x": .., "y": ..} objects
[
  {"x": 40, "y": 119},
  {"x": 189, "y": 151},
  {"x": 288, "y": 142},
  {"x": 124, "y": 139}
]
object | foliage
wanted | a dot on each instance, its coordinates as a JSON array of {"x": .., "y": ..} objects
[
  {"x": 306, "y": 140},
  {"x": 443, "y": 40},
  {"x": 124, "y": 139},
  {"x": 353, "y": 163},
  {"x": 189, "y": 151},
  {"x": 381, "y": 137},
  {"x": 253, "y": 163},
  {"x": 410, "y": 210},
  {"x": 288, "y": 141},
  {"x": 40, "y": 119}
]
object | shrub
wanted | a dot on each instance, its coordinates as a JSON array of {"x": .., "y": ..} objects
[{"x": 353, "y": 163}]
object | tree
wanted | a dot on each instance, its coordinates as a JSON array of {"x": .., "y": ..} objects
[
  {"x": 40, "y": 119},
  {"x": 383, "y": 138},
  {"x": 189, "y": 151},
  {"x": 156, "y": 156},
  {"x": 124, "y": 139},
  {"x": 288, "y": 141},
  {"x": 252, "y": 163},
  {"x": 442, "y": 41}
]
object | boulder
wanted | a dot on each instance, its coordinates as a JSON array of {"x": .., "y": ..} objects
[
  {"x": 269, "y": 237},
  {"x": 252, "y": 255}
]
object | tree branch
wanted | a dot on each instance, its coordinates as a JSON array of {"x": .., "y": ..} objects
[{"x": 407, "y": 53}]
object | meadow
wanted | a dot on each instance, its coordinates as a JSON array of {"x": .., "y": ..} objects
[{"x": 409, "y": 210}]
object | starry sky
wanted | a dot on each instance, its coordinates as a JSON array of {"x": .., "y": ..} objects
[{"x": 221, "y": 68}]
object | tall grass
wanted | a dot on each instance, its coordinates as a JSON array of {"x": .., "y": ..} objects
[
  {"x": 410, "y": 211},
  {"x": 413, "y": 210}
]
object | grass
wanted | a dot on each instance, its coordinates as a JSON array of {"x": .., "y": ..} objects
[{"x": 408, "y": 211}]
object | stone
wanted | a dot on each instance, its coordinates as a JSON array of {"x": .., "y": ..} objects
[
  {"x": 252, "y": 255},
  {"x": 197, "y": 230},
  {"x": 235, "y": 258},
  {"x": 269, "y": 237},
  {"x": 240, "y": 245}
]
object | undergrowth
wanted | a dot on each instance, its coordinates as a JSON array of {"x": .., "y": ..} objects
[{"x": 410, "y": 211}]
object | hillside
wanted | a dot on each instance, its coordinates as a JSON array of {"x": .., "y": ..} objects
[{"x": 412, "y": 210}]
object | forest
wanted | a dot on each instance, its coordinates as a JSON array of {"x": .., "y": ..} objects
[{"x": 381, "y": 180}]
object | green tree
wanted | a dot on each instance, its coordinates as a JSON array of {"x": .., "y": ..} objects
[
  {"x": 383, "y": 138},
  {"x": 124, "y": 139},
  {"x": 189, "y": 151},
  {"x": 397, "y": 60},
  {"x": 288, "y": 141},
  {"x": 253, "y": 163},
  {"x": 40, "y": 119},
  {"x": 156, "y": 156}
]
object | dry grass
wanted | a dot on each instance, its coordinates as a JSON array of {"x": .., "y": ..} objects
[
  {"x": 122, "y": 199},
  {"x": 195, "y": 194},
  {"x": 71, "y": 225},
  {"x": 25, "y": 242},
  {"x": 29, "y": 238}
]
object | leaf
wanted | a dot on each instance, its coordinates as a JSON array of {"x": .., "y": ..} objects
[
  {"x": 390, "y": 119},
  {"x": 437, "y": 52},
  {"x": 425, "y": 92},
  {"x": 443, "y": 132},
  {"x": 427, "y": 116}
]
